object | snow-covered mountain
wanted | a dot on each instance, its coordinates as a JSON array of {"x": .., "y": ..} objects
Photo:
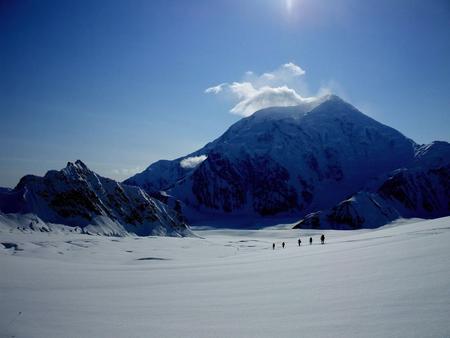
[
  {"x": 78, "y": 197},
  {"x": 420, "y": 190},
  {"x": 282, "y": 161}
]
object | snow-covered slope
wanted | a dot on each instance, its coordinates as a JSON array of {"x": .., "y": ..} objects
[
  {"x": 420, "y": 190},
  {"x": 389, "y": 282},
  {"x": 283, "y": 160},
  {"x": 78, "y": 197}
]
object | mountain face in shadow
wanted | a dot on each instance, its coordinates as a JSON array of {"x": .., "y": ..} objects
[
  {"x": 78, "y": 197},
  {"x": 282, "y": 161}
]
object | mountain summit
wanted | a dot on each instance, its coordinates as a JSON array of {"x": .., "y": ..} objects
[{"x": 282, "y": 161}]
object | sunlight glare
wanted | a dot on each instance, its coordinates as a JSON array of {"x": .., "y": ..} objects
[{"x": 289, "y": 4}]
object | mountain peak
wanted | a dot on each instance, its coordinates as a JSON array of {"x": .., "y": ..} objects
[
  {"x": 77, "y": 169},
  {"x": 300, "y": 110},
  {"x": 77, "y": 164},
  {"x": 80, "y": 164},
  {"x": 303, "y": 107},
  {"x": 77, "y": 196},
  {"x": 293, "y": 159},
  {"x": 332, "y": 101},
  {"x": 333, "y": 97}
]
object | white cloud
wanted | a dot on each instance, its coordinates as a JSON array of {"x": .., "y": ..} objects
[
  {"x": 215, "y": 89},
  {"x": 127, "y": 171},
  {"x": 267, "y": 97},
  {"x": 293, "y": 69},
  {"x": 276, "y": 88},
  {"x": 121, "y": 173},
  {"x": 192, "y": 162},
  {"x": 268, "y": 76},
  {"x": 332, "y": 87},
  {"x": 286, "y": 74},
  {"x": 243, "y": 89}
]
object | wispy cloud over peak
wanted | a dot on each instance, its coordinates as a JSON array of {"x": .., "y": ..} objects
[
  {"x": 275, "y": 88},
  {"x": 293, "y": 69},
  {"x": 266, "y": 97},
  {"x": 216, "y": 89}
]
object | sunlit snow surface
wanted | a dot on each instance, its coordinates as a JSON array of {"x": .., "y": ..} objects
[{"x": 389, "y": 282}]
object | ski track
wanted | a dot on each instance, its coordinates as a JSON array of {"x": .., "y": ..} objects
[{"x": 389, "y": 282}]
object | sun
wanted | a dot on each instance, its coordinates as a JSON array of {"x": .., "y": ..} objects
[{"x": 289, "y": 4}]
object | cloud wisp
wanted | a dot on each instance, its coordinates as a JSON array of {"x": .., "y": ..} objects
[
  {"x": 126, "y": 171},
  {"x": 192, "y": 162},
  {"x": 276, "y": 88}
]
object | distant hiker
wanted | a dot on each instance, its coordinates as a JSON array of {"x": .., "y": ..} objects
[
  {"x": 273, "y": 246},
  {"x": 299, "y": 242},
  {"x": 322, "y": 238},
  {"x": 283, "y": 244},
  {"x": 310, "y": 240}
]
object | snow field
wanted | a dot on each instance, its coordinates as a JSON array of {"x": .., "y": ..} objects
[{"x": 389, "y": 282}]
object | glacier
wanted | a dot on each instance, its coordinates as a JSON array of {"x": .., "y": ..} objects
[{"x": 393, "y": 281}]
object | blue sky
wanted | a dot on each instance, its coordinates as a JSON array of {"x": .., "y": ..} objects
[{"x": 120, "y": 84}]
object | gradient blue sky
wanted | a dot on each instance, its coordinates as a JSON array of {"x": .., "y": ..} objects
[{"x": 120, "y": 84}]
